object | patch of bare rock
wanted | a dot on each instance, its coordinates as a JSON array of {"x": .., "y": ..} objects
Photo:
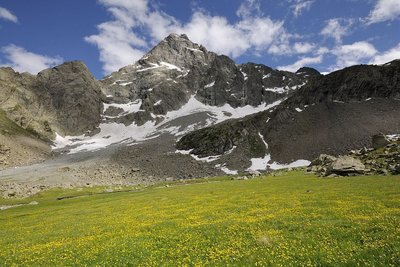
[{"x": 382, "y": 159}]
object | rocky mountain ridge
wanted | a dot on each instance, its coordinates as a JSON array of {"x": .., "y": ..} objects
[
  {"x": 177, "y": 69},
  {"x": 182, "y": 105},
  {"x": 333, "y": 114},
  {"x": 65, "y": 99}
]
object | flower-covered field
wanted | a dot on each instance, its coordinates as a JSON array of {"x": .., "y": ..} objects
[{"x": 290, "y": 219}]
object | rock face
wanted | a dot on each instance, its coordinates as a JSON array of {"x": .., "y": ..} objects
[
  {"x": 64, "y": 99},
  {"x": 346, "y": 165},
  {"x": 73, "y": 95},
  {"x": 177, "y": 69},
  {"x": 330, "y": 114}
]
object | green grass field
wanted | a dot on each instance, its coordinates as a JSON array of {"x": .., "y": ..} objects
[{"x": 291, "y": 219}]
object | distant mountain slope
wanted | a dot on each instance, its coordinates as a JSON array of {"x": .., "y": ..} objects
[{"x": 331, "y": 114}]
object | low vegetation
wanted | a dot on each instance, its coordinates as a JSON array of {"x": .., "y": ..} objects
[{"x": 285, "y": 219}]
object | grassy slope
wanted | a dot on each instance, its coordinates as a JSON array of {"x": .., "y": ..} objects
[
  {"x": 288, "y": 220},
  {"x": 7, "y": 126}
]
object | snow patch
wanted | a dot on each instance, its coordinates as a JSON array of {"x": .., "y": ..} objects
[
  {"x": 112, "y": 133},
  {"x": 278, "y": 90},
  {"x": 267, "y": 76},
  {"x": 154, "y": 66},
  {"x": 264, "y": 163},
  {"x": 125, "y": 84},
  {"x": 298, "y": 109},
  {"x": 194, "y": 49},
  {"x": 127, "y": 108},
  {"x": 170, "y": 66},
  {"x": 210, "y": 85},
  {"x": 244, "y": 75},
  {"x": 226, "y": 170},
  {"x": 295, "y": 164},
  {"x": 393, "y": 137},
  {"x": 204, "y": 159},
  {"x": 158, "y": 103},
  {"x": 161, "y": 64},
  {"x": 183, "y": 152}
]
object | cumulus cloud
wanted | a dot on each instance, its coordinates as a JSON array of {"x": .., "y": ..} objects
[
  {"x": 24, "y": 61},
  {"x": 353, "y": 54},
  {"x": 249, "y": 8},
  {"x": 384, "y": 10},
  {"x": 337, "y": 28},
  {"x": 387, "y": 56},
  {"x": 137, "y": 25},
  {"x": 287, "y": 48},
  {"x": 300, "y": 6},
  {"x": 302, "y": 62},
  {"x": 7, "y": 15}
]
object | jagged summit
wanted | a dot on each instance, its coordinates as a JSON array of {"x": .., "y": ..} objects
[
  {"x": 177, "y": 69},
  {"x": 180, "y": 51}
]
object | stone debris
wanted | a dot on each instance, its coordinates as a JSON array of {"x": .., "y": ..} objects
[{"x": 383, "y": 159}]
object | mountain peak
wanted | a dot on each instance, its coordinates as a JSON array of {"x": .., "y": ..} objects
[
  {"x": 179, "y": 50},
  {"x": 176, "y": 36}
]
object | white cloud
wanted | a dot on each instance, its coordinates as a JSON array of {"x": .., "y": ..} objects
[
  {"x": 7, "y": 15},
  {"x": 387, "y": 56},
  {"x": 249, "y": 8},
  {"x": 303, "y": 48},
  {"x": 136, "y": 26},
  {"x": 353, "y": 54},
  {"x": 217, "y": 34},
  {"x": 300, "y": 6},
  {"x": 24, "y": 61},
  {"x": 305, "y": 61},
  {"x": 384, "y": 10},
  {"x": 336, "y": 30},
  {"x": 288, "y": 49}
]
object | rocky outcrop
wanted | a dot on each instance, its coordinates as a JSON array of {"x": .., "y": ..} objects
[
  {"x": 73, "y": 95},
  {"x": 64, "y": 99},
  {"x": 218, "y": 140},
  {"x": 326, "y": 165},
  {"x": 379, "y": 160}
]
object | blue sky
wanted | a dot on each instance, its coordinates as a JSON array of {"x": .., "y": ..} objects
[{"x": 285, "y": 34}]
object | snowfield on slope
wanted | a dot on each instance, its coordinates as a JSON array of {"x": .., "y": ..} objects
[
  {"x": 114, "y": 133},
  {"x": 258, "y": 164}
]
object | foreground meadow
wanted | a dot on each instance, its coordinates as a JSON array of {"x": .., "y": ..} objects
[{"x": 291, "y": 219}]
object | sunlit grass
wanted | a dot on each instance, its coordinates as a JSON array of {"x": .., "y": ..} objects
[{"x": 287, "y": 220}]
